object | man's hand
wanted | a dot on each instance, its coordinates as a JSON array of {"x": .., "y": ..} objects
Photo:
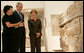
[
  {"x": 21, "y": 24},
  {"x": 37, "y": 35},
  {"x": 17, "y": 24}
]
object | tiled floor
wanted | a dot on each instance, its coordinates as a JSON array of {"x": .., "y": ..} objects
[
  {"x": 58, "y": 50},
  {"x": 42, "y": 49}
]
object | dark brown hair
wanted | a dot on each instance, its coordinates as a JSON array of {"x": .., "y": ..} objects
[{"x": 6, "y": 8}]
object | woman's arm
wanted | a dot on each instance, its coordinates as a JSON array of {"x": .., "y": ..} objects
[
  {"x": 12, "y": 25},
  {"x": 40, "y": 28},
  {"x": 30, "y": 27}
]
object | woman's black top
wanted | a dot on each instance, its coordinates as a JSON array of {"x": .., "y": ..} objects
[
  {"x": 7, "y": 18},
  {"x": 8, "y": 34}
]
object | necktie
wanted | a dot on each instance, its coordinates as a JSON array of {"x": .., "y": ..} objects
[{"x": 20, "y": 16}]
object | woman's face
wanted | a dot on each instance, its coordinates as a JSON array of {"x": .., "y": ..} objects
[
  {"x": 33, "y": 14},
  {"x": 10, "y": 11}
]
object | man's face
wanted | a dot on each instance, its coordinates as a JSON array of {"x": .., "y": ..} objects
[{"x": 19, "y": 7}]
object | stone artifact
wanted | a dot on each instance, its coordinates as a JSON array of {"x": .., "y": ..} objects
[{"x": 72, "y": 31}]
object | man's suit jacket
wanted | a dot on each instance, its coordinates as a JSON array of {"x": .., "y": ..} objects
[
  {"x": 20, "y": 30},
  {"x": 34, "y": 27},
  {"x": 15, "y": 14},
  {"x": 20, "y": 33}
]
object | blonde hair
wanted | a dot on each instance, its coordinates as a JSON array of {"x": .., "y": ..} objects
[{"x": 33, "y": 10}]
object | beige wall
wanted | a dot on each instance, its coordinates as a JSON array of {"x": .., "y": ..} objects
[{"x": 27, "y": 4}]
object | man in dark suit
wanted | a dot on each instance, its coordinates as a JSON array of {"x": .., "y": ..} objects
[
  {"x": 20, "y": 33},
  {"x": 35, "y": 27}
]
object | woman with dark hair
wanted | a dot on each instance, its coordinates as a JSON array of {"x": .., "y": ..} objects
[
  {"x": 9, "y": 27},
  {"x": 35, "y": 27}
]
